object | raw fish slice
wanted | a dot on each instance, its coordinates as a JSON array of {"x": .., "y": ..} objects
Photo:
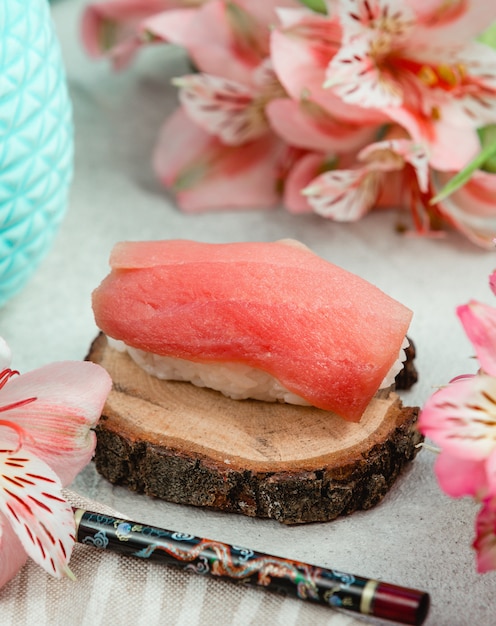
[{"x": 325, "y": 334}]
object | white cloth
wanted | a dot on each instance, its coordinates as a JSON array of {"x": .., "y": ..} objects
[{"x": 417, "y": 537}]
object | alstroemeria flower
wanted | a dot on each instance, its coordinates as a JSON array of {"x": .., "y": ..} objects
[
  {"x": 231, "y": 110},
  {"x": 205, "y": 174},
  {"x": 346, "y": 195},
  {"x": 218, "y": 150},
  {"x": 301, "y": 48},
  {"x": 46, "y": 417},
  {"x": 418, "y": 72},
  {"x": 460, "y": 418}
]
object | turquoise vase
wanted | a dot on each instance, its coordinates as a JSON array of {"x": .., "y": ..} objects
[{"x": 36, "y": 140}]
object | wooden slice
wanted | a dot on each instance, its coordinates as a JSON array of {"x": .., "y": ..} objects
[{"x": 294, "y": 464}]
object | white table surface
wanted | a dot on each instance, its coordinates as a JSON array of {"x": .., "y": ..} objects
[{"x": 417, "y": 537}]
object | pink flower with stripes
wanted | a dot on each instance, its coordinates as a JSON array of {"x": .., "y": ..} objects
[
  {"x": 45, "y": 440},
  {"x": 420, "y": 64},
  {"x": 461, "y": 419}
]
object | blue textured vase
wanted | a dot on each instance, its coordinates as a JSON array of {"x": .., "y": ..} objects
[{"x": 36, "y": 140}]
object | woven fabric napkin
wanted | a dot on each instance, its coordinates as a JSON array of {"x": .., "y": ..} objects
[{"x": 114, "y": 589}]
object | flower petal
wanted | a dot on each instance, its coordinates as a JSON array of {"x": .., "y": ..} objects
[
  {"x": 460, "y": 477},
  {"x": 456, "y": 20},
  {"x": 303, "y": 171},
  {"x": 471, "y": 209},
  {"x": 343, "y": 195},
  {"x": 266, "y": 12},
  {"x": 31, "y": 500},
  {"x": 307, "y": 125},
  {"x": 222, "y": 107},
  {"x": 12, "y": 554},
  {"x": 392, "y": 154},
  {"x": 470, "y": 98},
  {"x": 69, "y": 400},
  {"x": 385, "y": 17},
  {"x": 222, "y": 38},
  {"x": 111, "y": 27},
  {"x": 301, "y": 50},
  {"x": 485, "y": 541},
  {"x": 355, "y": 77},
  {"x": 479, "y": 322},
  {"x": 169, "y": 26},
  {"x": 439, "y": 136},
  {"x": 461, "y": 417},
  {"x": 207, "y": 175}
]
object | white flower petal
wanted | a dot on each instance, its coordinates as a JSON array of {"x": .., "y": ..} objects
[
  {"x": 392, "y": 154},
  {"x": 461, "y": 417},
  {"x": 391, "y": 17},
  {"x": 222, "y": 107},
  {"x": 31, "y": 500},
  {"x": 343, "y": 195},
  {"x": 355, "y": 76}
]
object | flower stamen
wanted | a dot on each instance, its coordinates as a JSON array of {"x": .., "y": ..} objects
[
  {"x": 16, "y": 405},
  {"x": 6, "y": 374},
  {"x": 20, "y": 434}
]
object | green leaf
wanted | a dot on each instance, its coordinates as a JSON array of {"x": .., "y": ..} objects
[
  {"x": 488, "y": 136},
  {"x": 485, "y": 155},
  {"x": 318, "y": 6},
  {"x": 489, "y": 36}
]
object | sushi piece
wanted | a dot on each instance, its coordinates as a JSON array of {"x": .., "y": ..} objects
[{"x": 270, "y": 321}]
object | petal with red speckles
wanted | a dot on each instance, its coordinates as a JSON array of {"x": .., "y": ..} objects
[{"x": 31, "y": 500}]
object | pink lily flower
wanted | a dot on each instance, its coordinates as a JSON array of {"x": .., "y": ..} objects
[
  {"x": 485, "y": 540},
  {"x": 471, "y": 209},
  {"x": 46, "y": 439}
]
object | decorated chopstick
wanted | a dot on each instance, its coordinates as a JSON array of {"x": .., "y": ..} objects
[{"x": 234, "y": 563}]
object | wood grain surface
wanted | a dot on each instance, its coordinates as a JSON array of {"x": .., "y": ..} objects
[{"x": 295, "y": 464}]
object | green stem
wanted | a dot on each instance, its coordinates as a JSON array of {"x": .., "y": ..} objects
[{"x": 464, "y": 175}]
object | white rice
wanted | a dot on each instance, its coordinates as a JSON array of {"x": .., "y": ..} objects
[{"x": 234, "y": 380}]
